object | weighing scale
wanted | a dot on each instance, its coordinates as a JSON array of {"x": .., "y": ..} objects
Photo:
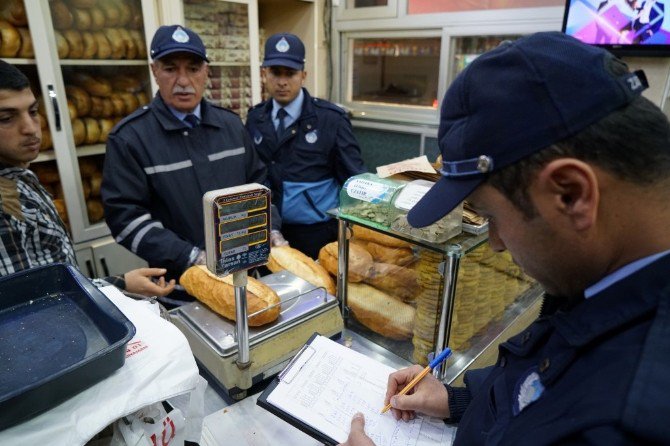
[{"x": 237, "y": 228}]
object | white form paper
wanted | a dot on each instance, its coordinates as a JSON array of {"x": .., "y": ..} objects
[{"x": 329, "y": 383}]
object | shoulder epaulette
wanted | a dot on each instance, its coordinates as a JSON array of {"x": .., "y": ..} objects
[
  {"x": 131, "y": 117},
  {"x": 322, "y": 103}
]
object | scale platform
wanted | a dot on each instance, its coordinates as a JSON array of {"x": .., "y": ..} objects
[{"x": 304, "y": 311}]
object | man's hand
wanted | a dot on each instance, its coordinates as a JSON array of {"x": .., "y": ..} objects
[
  {"x": 357, "y": 435},
  {"x": 139, "y": 281},
  {"x": 277, "y": 239},
  {"x": 429, "y": 396}
]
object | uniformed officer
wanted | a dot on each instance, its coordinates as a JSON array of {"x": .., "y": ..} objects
[
  {"x": 162, "y": 158},
  {"x": 307, "y": 143},
  {"x": 553, "y": 141}
]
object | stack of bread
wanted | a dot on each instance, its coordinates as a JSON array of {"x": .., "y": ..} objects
[
  {"x": 15, "y": 40},
  {"x": 91, "y": 178},
  {"x": 382, "y": 285},
  {"x": 96, "y": 103},
  {"x": 98, "y": 29},
  {"x": 285, "y": 258}
]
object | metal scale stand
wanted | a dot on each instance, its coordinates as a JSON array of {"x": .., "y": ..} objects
[{"x": 237, "y": 228}]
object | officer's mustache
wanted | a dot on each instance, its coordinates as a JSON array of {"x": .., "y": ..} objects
[{"x": 188, "y": 90}]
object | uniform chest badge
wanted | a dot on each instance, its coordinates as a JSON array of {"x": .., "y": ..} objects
[
  {"x": 258, "y": 138},
  {"x": 311, "y": 137},
  {"x": 528, "y": 389}
]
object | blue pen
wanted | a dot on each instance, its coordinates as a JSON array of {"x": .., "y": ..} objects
[{"x": 434, "y": 363}]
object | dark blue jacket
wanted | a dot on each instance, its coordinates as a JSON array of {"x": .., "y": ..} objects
[
  {"x": 604, "y": 366},
  {"x": 307, "y": 168},
  {"x": 157, "y": 170}
]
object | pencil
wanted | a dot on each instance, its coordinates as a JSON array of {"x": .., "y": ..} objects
[{"x": 434, "y": 363}]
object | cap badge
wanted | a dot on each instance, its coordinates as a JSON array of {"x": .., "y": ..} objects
[
  {"x": 179, "y": 35},
  {"x": 484, "y": 164},
  {"x": 282, "y": 46}
]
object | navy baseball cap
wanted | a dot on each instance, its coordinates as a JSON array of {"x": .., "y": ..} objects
[
  {"x": 516, "y": 100},
  {"x": 176, "y": 39},
  {"x": 286, "y": 50}
]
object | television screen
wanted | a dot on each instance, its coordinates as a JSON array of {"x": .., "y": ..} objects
[{"x": 626, "y": 27}]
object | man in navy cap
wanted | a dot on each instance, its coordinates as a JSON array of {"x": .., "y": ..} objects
[
  {"x": 552, "y": 141},
  {"x": 307, "y": 143},
  {"x": 162, "y": 158}
]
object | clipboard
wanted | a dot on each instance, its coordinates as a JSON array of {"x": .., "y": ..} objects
[{"x": 288, "y": 373}]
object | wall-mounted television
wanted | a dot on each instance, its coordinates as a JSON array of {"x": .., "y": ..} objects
[{"x": 625, "y": 27}]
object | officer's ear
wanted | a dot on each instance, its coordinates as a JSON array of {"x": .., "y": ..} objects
[
  {"x": 264, "y": 71},
  {"x": 304, "y": 75}
]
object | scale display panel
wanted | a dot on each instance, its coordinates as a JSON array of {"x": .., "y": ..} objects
[{"x": 237, "y": 228}]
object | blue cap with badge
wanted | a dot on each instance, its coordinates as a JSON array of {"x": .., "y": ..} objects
[
  {"x": 516, "y": 100},
  {"x": 176, "y": 39},
  {"x": 286, "y": 50}
]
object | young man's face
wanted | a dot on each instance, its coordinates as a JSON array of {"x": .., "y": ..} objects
[
  {"x": 20, "y": 132},
  {"x": 181, "y": 79},
  {"x": 283, "y": 83}
]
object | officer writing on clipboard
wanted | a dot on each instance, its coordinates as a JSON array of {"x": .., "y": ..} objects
[
  {"x": 306, "y": 142},
  {"x": 552, "y": 141}
]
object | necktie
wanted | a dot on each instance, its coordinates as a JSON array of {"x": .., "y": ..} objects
[
  {"x": 192, "y": 120},
  {"x": 281, "y": 128}
]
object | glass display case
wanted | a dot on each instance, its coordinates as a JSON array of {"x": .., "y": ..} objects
[
  {"x": 465, "y": 49},
  {"x": 418, "y": 297}
]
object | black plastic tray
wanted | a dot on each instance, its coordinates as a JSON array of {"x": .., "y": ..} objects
[{"x": 58, "y": 335}]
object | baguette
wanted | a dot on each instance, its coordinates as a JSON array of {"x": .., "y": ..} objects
[
  {"x": 396, "y": 280},
  {"x": 26, "y": 51},
  {"x": 386, "y": 254},
  {"x": 294, "y": 261},
  {"x": 363, "y": 233},
  {"x": 380, "y": 312},
  {"x": 360, "y": 261},
  {"x": 10, "y": 39},
  {"x": 218, "y": 293}
]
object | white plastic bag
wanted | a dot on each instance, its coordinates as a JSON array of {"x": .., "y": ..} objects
[{"x": 150, "y": 426}]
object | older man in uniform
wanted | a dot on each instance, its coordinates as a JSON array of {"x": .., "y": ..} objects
[
  {"x": 163, "y": 157},
  {"x": 307, "y": 143}
]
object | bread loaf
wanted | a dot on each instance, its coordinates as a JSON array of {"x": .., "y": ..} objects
[
  {"x": 104, "y": 48},
  {"x": 218, "y": 293},
  {"x": 380, "y": 312},
  {"x": 130, "y": 101},
  {"x": 14, "y": 12},
  {"x": 131, "y": 48},
  {"x": 81, "y": 99},
  {"x": 387, "y": 254},
  {"x": 62, "y": 46},
  {"x": 106, "y": 126},
  {"x": 83, "y": 3},
  {"x": 398, "y": 281},
  {"x": 26, "y": 51},
  {"x": 363, "y": 233},
  {"x": 116, "y": 42},
  {"x": 82, "y": 19},
  {"x": 97, "y": 19},
  {"x": 46, "y": 142},
  {"x": 61, "y": 15},
  {"x": 96, "y": 182},
  {"x": 72, "y": 110},
  {"x": 75, "y": 43},
  {"x": 92, "y": 130},
  {"x": 78, "y": 131},
  {"x": 95, "y": 210},
  {"x": 360, "y": 261},
  {"x": 94, "y": 85},
  {"x": 90, "y": 45},
  {"x": 10, "y": 39},
  {"x": 294, "y": 261}
]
